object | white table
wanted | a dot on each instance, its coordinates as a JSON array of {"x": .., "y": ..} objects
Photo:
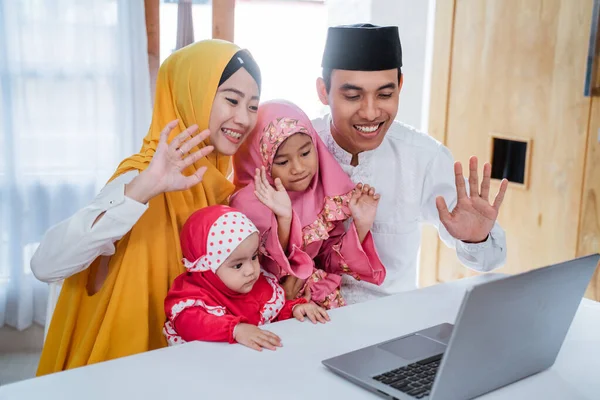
[{"x": 202, "y": 370}]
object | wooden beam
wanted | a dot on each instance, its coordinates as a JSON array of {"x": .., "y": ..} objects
[
  {"x": 152, "y": 8},
  {"x": 589, "y": 219},
  {"x": 223, "y": 19}
]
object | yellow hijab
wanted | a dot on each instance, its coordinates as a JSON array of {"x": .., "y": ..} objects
[{"x": 126, "y": 315}]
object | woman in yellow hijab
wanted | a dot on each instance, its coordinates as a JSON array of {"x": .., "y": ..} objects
[{"x": 114, "y": 307}]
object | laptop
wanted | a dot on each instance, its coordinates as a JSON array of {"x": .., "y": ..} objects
[{"x": 506, "y": 329}]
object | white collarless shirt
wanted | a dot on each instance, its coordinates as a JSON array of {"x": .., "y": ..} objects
[{"x": 409, "y": 169}]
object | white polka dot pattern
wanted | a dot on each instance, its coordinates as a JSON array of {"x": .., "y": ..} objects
[
  {"x": 169, "y": 331},
  {"x": 272, "y": 307},
  {"x": 224, "y": 236},
  {"x": 171, "y": 335}
]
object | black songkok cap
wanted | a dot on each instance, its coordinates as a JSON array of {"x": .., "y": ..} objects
[{"x": 362, "y": 47}]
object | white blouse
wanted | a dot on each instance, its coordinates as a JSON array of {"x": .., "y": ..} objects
[{"x": 72, "y": 245}]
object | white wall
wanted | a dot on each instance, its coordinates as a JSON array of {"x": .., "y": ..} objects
[
  {"x": 414, "y": 19},
  {"x": 345, "y": 12}
]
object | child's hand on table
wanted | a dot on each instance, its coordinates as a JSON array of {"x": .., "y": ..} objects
[
  {"x": 252, "y": 336},
  {"x": 312, "y": 311}
]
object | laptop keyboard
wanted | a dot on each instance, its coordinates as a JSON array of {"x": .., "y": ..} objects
[{"x": 415, "y": 379}]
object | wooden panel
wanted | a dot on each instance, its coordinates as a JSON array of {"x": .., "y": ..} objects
[
  {"x": 440, "y": 81},
  {"x": 518, "y": 68},
  {"x": 223, "y": 19},
  {"x": 152, "y": 9},
  {"x": 589, "y": 224}
]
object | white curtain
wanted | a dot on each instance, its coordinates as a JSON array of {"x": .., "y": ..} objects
[
  {"x": 74, "y": 101},
  {"x": 185, "y": 24}
]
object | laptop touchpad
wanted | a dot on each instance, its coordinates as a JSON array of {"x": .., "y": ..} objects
[{"x": 413, "y": 347}]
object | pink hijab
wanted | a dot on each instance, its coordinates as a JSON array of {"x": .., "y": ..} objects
[{"x": 326, "y": 198}]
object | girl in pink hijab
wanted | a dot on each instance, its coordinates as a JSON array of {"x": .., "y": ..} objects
[{"x": 299, "y": 197}]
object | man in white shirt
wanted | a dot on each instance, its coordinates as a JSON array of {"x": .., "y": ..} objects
[{"x": 415, "y": 175}]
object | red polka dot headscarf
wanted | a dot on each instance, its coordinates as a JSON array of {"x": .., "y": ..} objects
[{"x": 211, "y": 234}]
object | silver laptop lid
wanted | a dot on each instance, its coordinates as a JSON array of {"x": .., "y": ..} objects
[{"x": 527, "y": 316}]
